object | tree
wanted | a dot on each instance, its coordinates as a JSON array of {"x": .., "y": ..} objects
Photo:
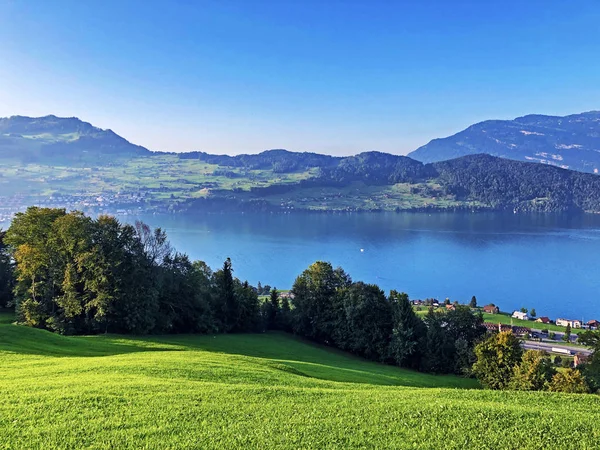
[
  {"x": 447, "y": 301},
  {"x": 473, "y": 302},
  {"x": 567, "y": 335},
  {"x": 496, "y": 358},
  {"x": 534, "y": 371},
  {"x": 439, "y": 348},
  {"x": 249, "y": 309},
  {"x": 38, "y": 274},
  {"x": 365, "y": 323},
  {"x": 524, "y": 310},
  {"x": 591, "y": 369},
  {"x": 532, "y": 313},
  {"x": 6, "y": 274},
  {"x": 284, "y": 319},
  {"x": 155, "y": 242},
  {"x": 227, "y": 309},
  {"x": 408, "y": 332},
  {"x": 464, "y": 329},
  {"x": 317, "y": 301},
  {"x": 557, "y": 360},
  {"x": 569, "y": 381},
  {"x": 273, "y": 309}
]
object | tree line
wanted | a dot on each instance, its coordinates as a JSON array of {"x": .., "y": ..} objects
[{"x": 77, "y": 275}]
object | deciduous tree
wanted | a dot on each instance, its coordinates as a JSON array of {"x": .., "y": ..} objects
[{"x": 497, "y": 357}]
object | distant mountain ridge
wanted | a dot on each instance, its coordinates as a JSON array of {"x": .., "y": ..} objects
[
  {"x": 570, "y": 142},
  {"x": 40, "y": 139}
]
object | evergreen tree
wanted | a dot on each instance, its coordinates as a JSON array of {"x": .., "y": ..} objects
[
  {"x": 364, "y": 324},
  {"x": 408, "y": 333},
  {"x": 439, "y": 353},
  {"x": 273, "y": 310},
  {"x": 567, "y": 335},
  {"x": 227, "y": 308},
  {"x": 6, "y": 274},
  {"x": 473, "y": 302},
  {"x": 284, "y": 322}
]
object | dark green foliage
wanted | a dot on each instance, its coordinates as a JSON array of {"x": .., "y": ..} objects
[
  {"x": 365, "y": 323},
  {"x": 408, "y": 333},
  {"x": 558, "y": 360},
  {"x": 186, "y": 295},
  {"x": 284, "y": 318},
  {"x": 272, "y": 310},
  {"x": 77, "y": 275},
  {"x": 473, "y": 302},
  {"x": 6, "y": 274},
  {"x": 439, "y": 353},
  {"x": 567, "y": 335},
  {"x": 591, "y": 369},
  {"x": 227, "y": 307},
  {"x": 522, "y": 186},
  {"x": 317, "y": 303}
]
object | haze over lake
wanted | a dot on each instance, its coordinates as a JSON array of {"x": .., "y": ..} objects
[{"x": 547, "y": 262}]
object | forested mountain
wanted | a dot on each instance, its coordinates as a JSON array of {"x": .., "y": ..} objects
[
  {"x": 571, "y": 142},
  {"x": 85, "y": 167},
  {"x": 505, "y": 184},
  {"x": 61, "y": 140},
  {"x": 279, "y": 160}
]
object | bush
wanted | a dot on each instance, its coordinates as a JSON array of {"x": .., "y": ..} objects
[{"x": 569, "y": 381}]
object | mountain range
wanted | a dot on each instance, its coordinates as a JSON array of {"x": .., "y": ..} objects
[
  {"x": 570, "y": 142},
  {"x": 78, "y": 165}
]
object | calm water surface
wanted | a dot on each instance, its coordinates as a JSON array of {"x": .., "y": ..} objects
[{"x": 550, "y": 263}]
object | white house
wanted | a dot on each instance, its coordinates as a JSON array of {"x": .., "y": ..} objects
[
  {"x": 571, "y": 323},
  {"x": 520, "y": 315}
]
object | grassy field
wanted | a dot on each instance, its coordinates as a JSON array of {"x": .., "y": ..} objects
[
  {"x": 171, "y": 180},
  {"x": 257, "y": 391},
  {"x": 506, "y": 319}
]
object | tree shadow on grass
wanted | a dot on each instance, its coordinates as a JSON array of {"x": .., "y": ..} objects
[
  {"x": 285, "y": 352},
  {"x": 32, "y": 341}
]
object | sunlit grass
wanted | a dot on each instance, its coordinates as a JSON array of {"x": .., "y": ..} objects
[{"x": 256, "y": 391}]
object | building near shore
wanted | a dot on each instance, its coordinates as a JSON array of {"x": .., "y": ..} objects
[
  {"x": 520, "y": 315},
  {"x": 568, "y": 322}
]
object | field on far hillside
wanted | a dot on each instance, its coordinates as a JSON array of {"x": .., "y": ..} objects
[{"x": 255, "y": 392}]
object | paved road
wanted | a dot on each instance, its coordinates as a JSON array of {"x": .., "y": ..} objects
[
  {"x": 547, "y": 346},
  {"x": 558, "y": 334}
]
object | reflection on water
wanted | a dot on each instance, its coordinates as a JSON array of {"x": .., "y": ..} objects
[{"x": 548, "y": 262}]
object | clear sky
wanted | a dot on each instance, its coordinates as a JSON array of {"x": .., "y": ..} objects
[{"x": 328, "y": 76}]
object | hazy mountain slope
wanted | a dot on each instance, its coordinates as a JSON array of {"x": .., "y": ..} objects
[
  {"x": 61, "y": 140},
  {"x": 571, "y": 142}
]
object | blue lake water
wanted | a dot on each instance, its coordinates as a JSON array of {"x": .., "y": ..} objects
[{"x": 547, "y": 262}]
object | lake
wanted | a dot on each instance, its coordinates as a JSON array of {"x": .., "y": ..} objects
[{"x": 547, "y": 262}]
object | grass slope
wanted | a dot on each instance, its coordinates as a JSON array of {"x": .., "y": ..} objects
[{"x": 256, "y": 391}]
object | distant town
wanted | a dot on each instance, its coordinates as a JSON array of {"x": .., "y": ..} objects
[{"x": 557, "y": 337}]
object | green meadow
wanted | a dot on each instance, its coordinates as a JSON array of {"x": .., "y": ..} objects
[{"x": 257, "y": 391}]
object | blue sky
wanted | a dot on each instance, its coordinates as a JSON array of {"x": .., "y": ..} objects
[{"x": 326, "y": 76}]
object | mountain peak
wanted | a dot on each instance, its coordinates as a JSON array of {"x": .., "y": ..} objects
[
  {"x": 570, "y": 142},
  {"x": 61, "y": 138}
]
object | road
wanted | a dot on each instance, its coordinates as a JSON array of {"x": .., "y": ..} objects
[{"x": 547, "y": 346}]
